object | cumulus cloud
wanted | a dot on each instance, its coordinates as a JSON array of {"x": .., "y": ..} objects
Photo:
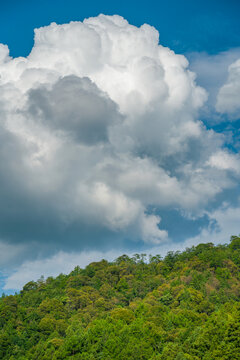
[
  {"x": 224, "y": 160},
  {"x": 212, "y": 72},
  {"x": 99, "y": 128},
  {"x": 228, "y": 98}
]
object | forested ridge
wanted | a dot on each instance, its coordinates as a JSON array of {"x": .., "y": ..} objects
[{"x": 185, "y": 306}]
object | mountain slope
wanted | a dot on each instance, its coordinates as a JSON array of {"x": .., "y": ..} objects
[{"x": 185, "y": 306}]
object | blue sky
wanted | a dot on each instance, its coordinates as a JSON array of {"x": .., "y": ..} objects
[
  {"x": 184, "y": 26},
  {"x": 109, "y": 142}
]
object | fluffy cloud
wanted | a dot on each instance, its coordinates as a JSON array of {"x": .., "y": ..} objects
[
  {"x": 212, "y": 72},
  {"x": 228, "y": 99},
  {"x": 99, "y": 128},
  {"x": 225, "y": 161}
]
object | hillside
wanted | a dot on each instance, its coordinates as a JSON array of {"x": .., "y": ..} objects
[{"x": 185, "y": 306}]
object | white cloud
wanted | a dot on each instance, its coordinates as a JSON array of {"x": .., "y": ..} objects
[
  {"x": 150, "y": 230},
  {"x": 228, "y": 99},
  {"x": 98, "y": 125},
  {"x": 212, "y": 70},
  {"x": 225, "y": 161}
]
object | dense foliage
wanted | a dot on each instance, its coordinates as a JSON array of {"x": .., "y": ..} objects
[{"x": 185, "y": 306}]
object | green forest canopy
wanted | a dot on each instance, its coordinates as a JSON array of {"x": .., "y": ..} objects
[{"x": 185, "y": 306}]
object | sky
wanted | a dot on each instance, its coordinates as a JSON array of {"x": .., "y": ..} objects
[{"x": 119, "y": 127}]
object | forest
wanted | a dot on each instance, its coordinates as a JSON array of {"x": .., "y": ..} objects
[{"x": 183, "y": 306}]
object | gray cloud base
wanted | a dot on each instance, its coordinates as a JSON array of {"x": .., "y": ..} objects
[{"x": 76, "y": 106}]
